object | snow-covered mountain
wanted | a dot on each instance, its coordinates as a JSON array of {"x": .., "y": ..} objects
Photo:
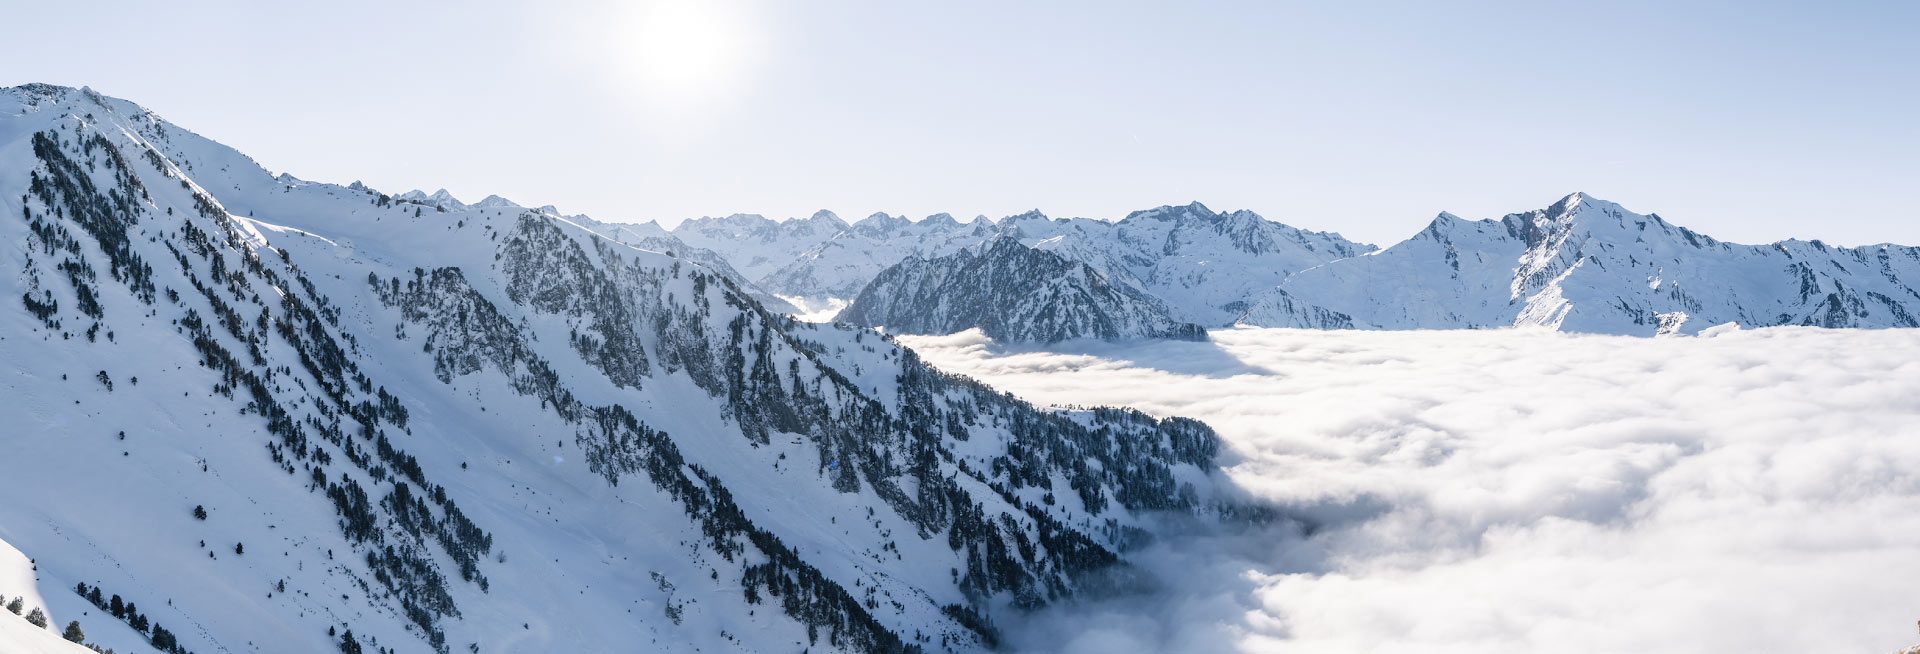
[
  {"x": 412, "y": 425},
  {"x": 651, "y": 236},
  {"x": 1589, "y": 265},
  {"x": 757, "y": 245},
  {"x": 646, "y": 236},
  {"x": 836, "y": 269},
  {"x": 1012, "y": 293},
  {"x": 1207, "y": 266}
]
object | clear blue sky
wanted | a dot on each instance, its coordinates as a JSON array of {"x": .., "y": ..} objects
[{"x": 1751, "y": 121}]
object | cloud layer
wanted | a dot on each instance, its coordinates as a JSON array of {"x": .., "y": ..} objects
[{"x": 1518, "y": 491}]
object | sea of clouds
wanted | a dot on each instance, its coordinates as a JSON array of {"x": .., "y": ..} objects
[{"x": 1515, "y": 490}]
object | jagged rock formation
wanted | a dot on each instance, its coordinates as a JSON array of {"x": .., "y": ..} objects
[{"x": 1012, "y": 293}]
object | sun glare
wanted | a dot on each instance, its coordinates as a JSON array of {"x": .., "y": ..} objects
[{"x": 685, "y": 52}]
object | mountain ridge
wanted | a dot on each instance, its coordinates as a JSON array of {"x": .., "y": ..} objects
[
  {"x": 431, "y": 416},
  {"x": 1589, "y": 265}
]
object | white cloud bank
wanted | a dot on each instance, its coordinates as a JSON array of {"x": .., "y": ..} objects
[{"x": 1519, "y": 491}]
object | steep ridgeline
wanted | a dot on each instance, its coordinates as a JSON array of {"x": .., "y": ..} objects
[
  {"x": 1012, "y": 293},
  {"x": 278, "y": 415},
  {"x": 651, "y": 236},
  {"x": 1588, "y": 265},
  {"x": 646, "y": 236}
]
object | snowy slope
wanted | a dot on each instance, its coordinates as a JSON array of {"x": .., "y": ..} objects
[
  {"x": 19, "y": 582},
  {"x": 1589, "y": 265},
  {"x": 493, "y": 427},
  {"x": 1012, "y": 293}
]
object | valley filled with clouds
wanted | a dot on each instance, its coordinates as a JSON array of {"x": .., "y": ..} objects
[{"x": 1514, "y": 490}]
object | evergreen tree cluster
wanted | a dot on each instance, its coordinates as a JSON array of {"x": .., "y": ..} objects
[
  {"x": 128, "y": 612},
  {"x": 72, "y": 194}
]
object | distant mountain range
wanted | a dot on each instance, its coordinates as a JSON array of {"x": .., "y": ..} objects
[
  {"x": 1588, "y": 265},
  {"x": 1582, "y": 264}
]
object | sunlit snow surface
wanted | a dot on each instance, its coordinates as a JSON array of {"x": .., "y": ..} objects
[{"x": 1518, "y": 491}]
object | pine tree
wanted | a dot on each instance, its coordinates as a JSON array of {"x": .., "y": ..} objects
[
  {"x": 73, "y": 633},
  {"x": 117, "y": 607},
  {"x": 200, "y": 512},
  {"x": 37, "y": 617},
  {"x": 348, "y": 645},
  {"x": 14, "y": 606},
  {"x": 239, "y": 548}
]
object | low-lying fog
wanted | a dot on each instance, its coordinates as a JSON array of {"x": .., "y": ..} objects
[{"x": 1517, "y": 491}]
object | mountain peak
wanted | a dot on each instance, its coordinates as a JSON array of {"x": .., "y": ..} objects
[
  {"x": 827, "y": 216},
  {"x": 1172, "y": 212},
  {"x": 880, "y": 220},
  {"x": 440, "y": 198},
  {"x": 496, "y": 202}
]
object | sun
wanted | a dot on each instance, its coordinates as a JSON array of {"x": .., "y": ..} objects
[{"x": 686, "y": 52}]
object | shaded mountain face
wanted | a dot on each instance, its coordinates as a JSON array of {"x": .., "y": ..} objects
[
  {"x": 1589, "y": 265},
  {"x": 1012, "y": 293},
  {"x": 271, "y": 411}
]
